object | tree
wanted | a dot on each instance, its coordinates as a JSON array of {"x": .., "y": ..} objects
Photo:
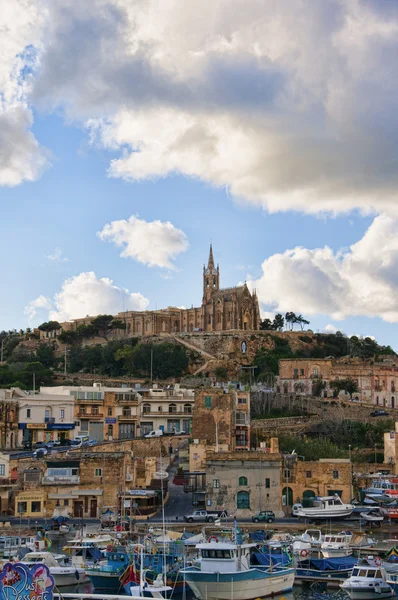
[
  {"x": 317, "y": 387},
  {"x": 221, "y": 373},
  {"x": 42, "y": 375},
  {"x": 301, "y": 321},
  {"x": 278, "y": 322},
  {"x": 49, "y": 326},
  {"x": 347, "y": 385},
  {"x": 69, "y": 337},
  {"x": 105, "y": 324},
  {"x": 290, "y": 318},
  {"x": 266, "y": 325},
  {"x": 45, "y": 354}
]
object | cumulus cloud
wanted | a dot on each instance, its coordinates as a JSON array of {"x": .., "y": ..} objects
[
  {"x": 154, "y": 243},
  {"x": 86, "y": 294},
  {"x": 231, "y": 93},
  {"x": 330, "y": 328},
  {"x": 362, "y": 281}
]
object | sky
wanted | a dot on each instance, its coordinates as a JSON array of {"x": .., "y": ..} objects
[{"x": 134, "y": 133}]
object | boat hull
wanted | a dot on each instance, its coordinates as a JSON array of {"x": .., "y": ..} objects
[
  {"x": 64, "y": 577},
  {"x": 106, "y": 582},
  {"x": 324, "y": 514},
  {"x": 245, "y": 585},
  {"x": 368, "y": 593}
]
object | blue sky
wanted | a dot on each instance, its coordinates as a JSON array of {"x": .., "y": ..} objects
[{"x": 256, "y": 156}]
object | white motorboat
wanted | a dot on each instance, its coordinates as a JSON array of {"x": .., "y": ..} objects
[
  {"x": 89, "y": 549},
  {"x": 310, "y": 540},
  {"x": 59, "y": 566},
  {"x": 367, "y": 582},
  {"x": 373, "y": 516},
  {"x": 336, "y": 546},
  {"x": 224, "y": 571},
  {"x": 11, "y": 545},
  {"x": 326, "y": 507}
]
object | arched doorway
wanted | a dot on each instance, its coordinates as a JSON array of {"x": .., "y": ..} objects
[
  {"x": 392, "y": 402},
  {"x": 308, "y": 496},
  {"x": 243, "y": 500},
  {"x": 287, "y": 495}
]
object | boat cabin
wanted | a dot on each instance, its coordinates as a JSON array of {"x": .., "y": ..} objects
[
  {"x": 365, "y": 571},
  {"x": 337, "y": 539},
  {"x": 224, "y": 557}
]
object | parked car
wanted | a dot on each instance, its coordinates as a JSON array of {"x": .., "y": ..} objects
[
  {"x": 267, "y": 516},
  {"x": 155, "y": 433},
  {"x": 92, "y": 442},
  {"x": 40, "y": 452},
  {"x": 379, "y": 413},
  {"x": 27, "y": 445},
  {"x": 38, "y": 445},
  {"x": 205, "y": 515}
]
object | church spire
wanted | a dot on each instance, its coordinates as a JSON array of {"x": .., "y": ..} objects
[{"x": 210, "y": 264}]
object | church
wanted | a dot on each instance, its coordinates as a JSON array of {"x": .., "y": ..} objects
[{"x": 234, "y": 308}]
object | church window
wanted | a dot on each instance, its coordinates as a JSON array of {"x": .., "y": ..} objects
[
  {"x": 229, "y": 315},
  {"x": 219, "y": 317},
  {"x": 207, "y": 282},
  {"x": 209, "y": 319}
]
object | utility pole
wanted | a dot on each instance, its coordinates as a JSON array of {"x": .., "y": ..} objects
[
  {"x": 34, "y": 383},
  {"x": 151, "y": 365},
  {"x": 65, "y": 361}
]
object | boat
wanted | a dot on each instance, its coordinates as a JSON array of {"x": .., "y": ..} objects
[
  {"x": 106, "y": 575},
  {"x": 367, "y": 582},
  {"x": 88, "y": 550},
  {"x": 11, "y": 545},
  {"x": 224, "y": 570},
  {"x": 331, "y": 570},
  {"x": 374, "y": 516},
  {"x": 310, "y": 540},
  {"x": 336, "y": 546},
  {"x": 326, "y": 507},
  {"x": 136, "y": 584},
  {"x": 60, "y": 568}
]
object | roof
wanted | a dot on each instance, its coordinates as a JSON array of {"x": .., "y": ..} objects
[{"x": 227, "y": 293}]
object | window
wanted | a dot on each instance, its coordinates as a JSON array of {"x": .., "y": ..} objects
[
  {"x": 36, "y": 506},
  {"x": 208, "y": 401},
  {"x": 66, "y": 502},
  {"x": 160, "y": 409},
  {"x": 219, "y": 317},
  {"x": 28, "y": 413},
  {"x": 126, "y": 412},
  {"x": 209, "y": 319},
  {"x": 242, "y": 480},
  {"x": 95, "y": 410},
  {"x": 187, "y": 409},
  {"x": 109, "y": 411},
  {"x": 301, "y": 372},
  {"x": 2, "y": 470},
  {"x": 62, "y": 413},
  {"x": 308, "y": 474},
  {"x": 22, "y": 507},
  {"x": 172, "y": 408},
  {"x": 146, "y": 408},
  {"x": 241, "y": 400},
  {"x": 110, "y": 430},
  {"x": 216, "y": 483},
  {"x": 98, "y": 472},
  {"x": 286, "y": 473},
  {"x": 335, "y": 474},
  {"x": 243, "y": 500},
  {"x": 82, "y": 410},
  {"x": 267, "y": 483},
  {"x": 47, "y": 414},
  {"x": 315, "y": 372},
  {"x": 295, "y": 373}
]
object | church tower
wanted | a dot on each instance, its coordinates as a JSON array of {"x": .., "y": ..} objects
[{"x": 211, "y": 278}]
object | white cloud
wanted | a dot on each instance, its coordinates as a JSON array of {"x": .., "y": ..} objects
[
  {"x": 330, "y": 328},
  {"x": 360, "y": 282},
  {"x": 154, "y": 243},
  {"x": 86, "y": 294},
  {"x": 56, "y": 256},
  {"x": 230, "y": 93},
  {"x": 41, "y": 303}
]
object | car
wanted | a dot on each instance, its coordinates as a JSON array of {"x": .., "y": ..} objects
[
  {"x": 40, "y": 452},
  {"x": 27, "y": 445},
  {"x": 264, "y": 515},
  {"x": 91, "y": 442},
  {"x": 379, "y": 413},
  {"x": 38, "y": 445}
]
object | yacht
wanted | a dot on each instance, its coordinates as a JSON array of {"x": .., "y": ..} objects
[
  {"x": 336, "y": 546},
  {"x": 367, "y": 582},
  {"x": 326, "y": 507},
  {"x": 59, "y": 566},
  {"x": 310, "y": 540},
  {"x": 382, "y": 490},
  {"x": 224, "y": 571}
]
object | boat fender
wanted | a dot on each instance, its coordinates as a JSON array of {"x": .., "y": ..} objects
[
  {"x": 213, "y": 538},
  {"x": 378, "y": 561},
  {"x": 77, "y": 575},
  {"x": 304, "y": 553},
  {"x": 109, "y": 548}
]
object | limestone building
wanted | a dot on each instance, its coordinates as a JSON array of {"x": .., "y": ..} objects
[{"x": 234, "y": 308}]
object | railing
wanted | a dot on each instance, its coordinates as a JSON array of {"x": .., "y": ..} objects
[
  {"x": 90, "y": 415},
  {"x": 157, "y": 413},
  {"x": 60, "y": 479},
  {"x": 241, "y": 420},
  {"x": 89, "y": 400},
  {"x": 49, "y": 419},
  {"x": 127, "y": 417},
  {"x": 6, "y": 481}
]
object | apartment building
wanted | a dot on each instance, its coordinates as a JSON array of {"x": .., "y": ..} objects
[
  {"x": 167, "y": 409},
  {"x": 9, "y": 417}
]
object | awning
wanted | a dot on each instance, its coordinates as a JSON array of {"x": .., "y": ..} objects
[{"x": 76, "y": 493}]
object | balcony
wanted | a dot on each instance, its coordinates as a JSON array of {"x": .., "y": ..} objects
[
  {"x": 127, "y": 418},
  {"x": 49, "y": 420},
  {"x": 86, "y": 415},
  {"x": 241, "y": 420},
  {"x": 60, "y": 479},
  {"x": 6, "y": 482},
  {"x": 89, "y": 401},
  {"x": 166, "y": 413},
  {"x": 130, "y": 401}
]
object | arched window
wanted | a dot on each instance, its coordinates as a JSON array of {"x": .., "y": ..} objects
[
  {"x": 242, "y": 480},
  {"x": 219, "y": 317},
  {"x": 187, "y": 409},
  {"x": 209, "y": 319},
  {"x": 243, "y": 500},
  {"x": 146, "y": 408},
  {"x": 172, "y": 408}
]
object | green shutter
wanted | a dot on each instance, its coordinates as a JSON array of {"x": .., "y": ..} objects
[{"x": 208, "y": 401}]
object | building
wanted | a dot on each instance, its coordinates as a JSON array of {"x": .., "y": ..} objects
[
  {"x": 377, "y": 381},
  {"x": 44, "y": 417},
  {"x": 391, "y": 449},
  {"x": 9, "y": 417},
  {"x": 234, "y": 308},
  {"x": 167, "y": 409},
  {"x": 8, "y": 482},
  {"x": 303, "y": 480},
  {"x": 243, "y": 483}
]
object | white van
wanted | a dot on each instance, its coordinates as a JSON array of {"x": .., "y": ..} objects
[
  {"x": 156, "y": 433},
  {"x": 80, "y": 440}
]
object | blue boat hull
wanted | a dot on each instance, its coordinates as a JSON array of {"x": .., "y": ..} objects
[{"x": 109, "y": 583}]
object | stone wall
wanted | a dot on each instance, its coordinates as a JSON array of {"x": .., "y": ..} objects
[{"x": 318, "y": 477}]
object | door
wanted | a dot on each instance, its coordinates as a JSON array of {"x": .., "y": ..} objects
[
  {"x": 78, "y": 509},
  {"x": 308, "y": 497},
  {"x": 96, "y": 431},
  {"x": 93, "y": 508},
  {"x": 126, "y": 431}
]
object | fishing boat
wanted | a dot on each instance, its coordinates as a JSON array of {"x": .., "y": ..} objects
[
  {"x": 10, "y": 545},
  {"x": 136, "y": 584},
  {"x": 310, "y": 540},
  {"x": 224, "y": 570},
  {"x": 106, "y": 575},
  {"x": 382, "y": 488},
  {"x": 335, "y": 546},
  {"x": 367, "y": 582},
  {"x": 88, "y": 550},
  {"x": 326, "y": 507},
  {"x": 331, "y": 570},
  {"x": 59, "y": 566}
]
